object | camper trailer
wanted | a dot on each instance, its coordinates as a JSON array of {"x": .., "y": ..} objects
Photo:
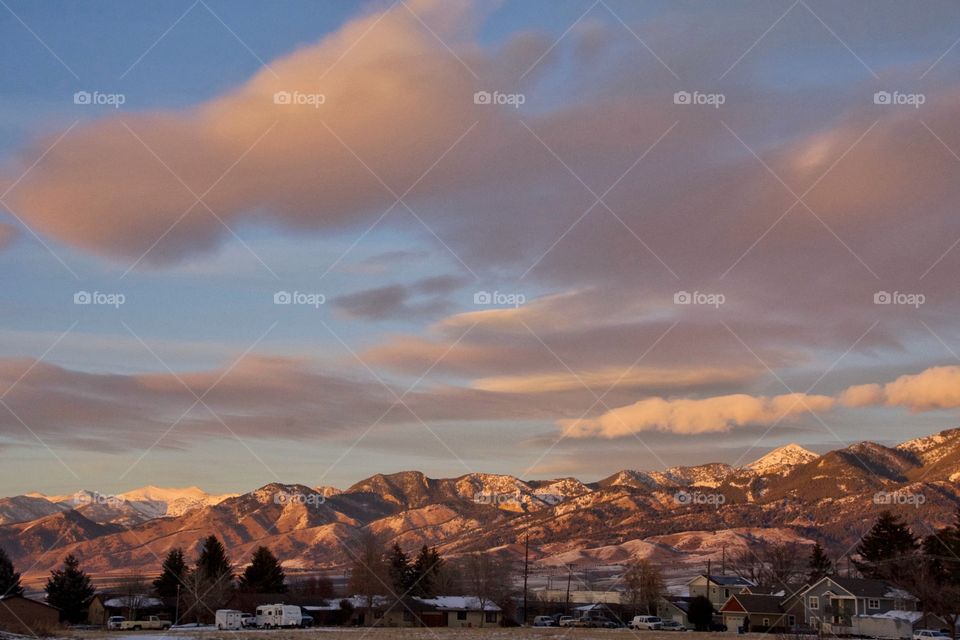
[
  {"x": 229, "y": 619},
  {"x": 271, "y": 616}
]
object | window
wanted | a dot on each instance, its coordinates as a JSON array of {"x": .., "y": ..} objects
[
  {"x": 873, "y": 603},
  {"x": 792, "y": 620},
  {"x": 490, "y": 616},
  {"x": 461, "y": 615},
  {"x": 766, "y": 622},
  {"x": 814, "y": 602}
]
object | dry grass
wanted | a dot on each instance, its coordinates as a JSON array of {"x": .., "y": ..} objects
[{"x": 356, "y": 633}]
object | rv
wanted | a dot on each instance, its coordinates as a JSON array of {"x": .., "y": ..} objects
[
  {"x": 229, "y": 619},
  {"x": 270, "y": 616}
]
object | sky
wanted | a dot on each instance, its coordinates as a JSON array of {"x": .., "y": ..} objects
[{"x": 313, "y": 241}]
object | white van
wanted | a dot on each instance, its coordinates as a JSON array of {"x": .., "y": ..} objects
[
  {"x": 271, "y": 616},
  {"x": 652, "y": 623},
  {"x": 229, "y": 619}
]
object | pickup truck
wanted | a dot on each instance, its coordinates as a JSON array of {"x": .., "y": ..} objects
[{"x": 152, "y": 622}]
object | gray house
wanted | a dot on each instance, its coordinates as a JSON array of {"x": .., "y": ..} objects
[{"x": 831, "y": 603}]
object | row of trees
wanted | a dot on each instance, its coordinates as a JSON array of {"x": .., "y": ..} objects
[{"x": 393, "y": 574}]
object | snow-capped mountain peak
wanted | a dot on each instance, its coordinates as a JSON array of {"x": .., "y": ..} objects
[{"x": 782, "y": 459}]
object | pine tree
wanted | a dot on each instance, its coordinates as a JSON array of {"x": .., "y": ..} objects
[
  {"x": 172, "y": 576},
  {"x": 700, "y": 613},
  {"x": 9, "y": 579},
  {"x": 264, "y": 575},
  {"x": 399, "y": 570},
  {"x": 885, "y": 550},
  {"x": 213, "y": 563},
  {"x": 425, "y": 572},
  {"x": 70, "y": 590},
  {"x": 820, "y": 565}
]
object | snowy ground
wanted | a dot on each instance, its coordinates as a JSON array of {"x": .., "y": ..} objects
[{"x": 356, "y": 633}]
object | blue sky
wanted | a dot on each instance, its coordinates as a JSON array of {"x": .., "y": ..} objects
[{"x": 596, "y": 201}]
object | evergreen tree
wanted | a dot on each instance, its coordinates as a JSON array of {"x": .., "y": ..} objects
[
  {"x": 399, "y": 570},
  {"x": 820, "y": 565},
  {"x": 172, "y": 576},
  {"x": 264, "y": 575},
  {"x": 70, "y": 590},
  {"x": 426, "y": 572},
  {"x": 213, "y": 564},
  {"x": 9, "y": 579},
  {"x": 885, "y": 550},
  {"x": 700, "y": 613}
]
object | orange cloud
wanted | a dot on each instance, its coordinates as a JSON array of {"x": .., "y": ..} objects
[{"x": 690, "y": 416}]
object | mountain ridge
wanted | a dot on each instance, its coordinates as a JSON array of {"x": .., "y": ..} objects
[{"x": 785, "y": 495}]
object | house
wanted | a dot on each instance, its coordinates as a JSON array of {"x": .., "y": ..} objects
[
  {"x": 831, "y": 603},
  {"x": 896, "y": 624},
  {"x": 465, "y": 611},
  {"x": 27, "y": 616},
  {"x": 130, "y": 606},
  {"x": 596, "y": 610},
  {"x": 717, "y": 589},
  {"x": 764, "y": 612},
  {"x": 675, "y": 608},
  {"x": 439, "y": 611}
]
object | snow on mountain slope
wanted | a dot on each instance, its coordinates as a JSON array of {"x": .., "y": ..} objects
[
  {"x": 171, "y": 502},
  {"x": 782, "y": 459}
]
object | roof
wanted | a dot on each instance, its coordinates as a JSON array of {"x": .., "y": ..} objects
[
  {"x": 756, "y": 603},
  {"x": 869, "y": 588},
  {"x": 127, "y": 602},
  {"x": 680, "y": 602},
  {"x": 441, "y": 603},
  {"x": 19, "y": 597}
]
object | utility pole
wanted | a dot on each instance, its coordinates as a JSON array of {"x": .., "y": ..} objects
[
  {"x": 526, "y": 570},
  {"x": 566, "y": 606},
  {"x": 723, "y": 564},
  {"x": 176, "y": 615}
]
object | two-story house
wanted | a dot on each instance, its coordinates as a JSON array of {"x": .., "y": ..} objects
[
  {"x": 831, "y": 603},
  {"x": 717, "y": 589}
]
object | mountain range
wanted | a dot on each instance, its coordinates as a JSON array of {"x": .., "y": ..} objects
[{"x": 681, "y": 516}]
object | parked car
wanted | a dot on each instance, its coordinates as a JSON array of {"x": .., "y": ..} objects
[
  {"x": 248, "y": 620},
  {"x": 596, "y": 622},
  {"x": 151, "y": 622},
  {"x": 565, "y": 621},
  {"x": 543, "y": 621},
  {"x": 717, "y": 626},
  {"x": 672, "y": 625},
  {"x": 306, "y": 621},
  {"x": 651, "y": 623},
  {"x": 113, "y": 622},
  {"x": 929, "y": 634}
]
